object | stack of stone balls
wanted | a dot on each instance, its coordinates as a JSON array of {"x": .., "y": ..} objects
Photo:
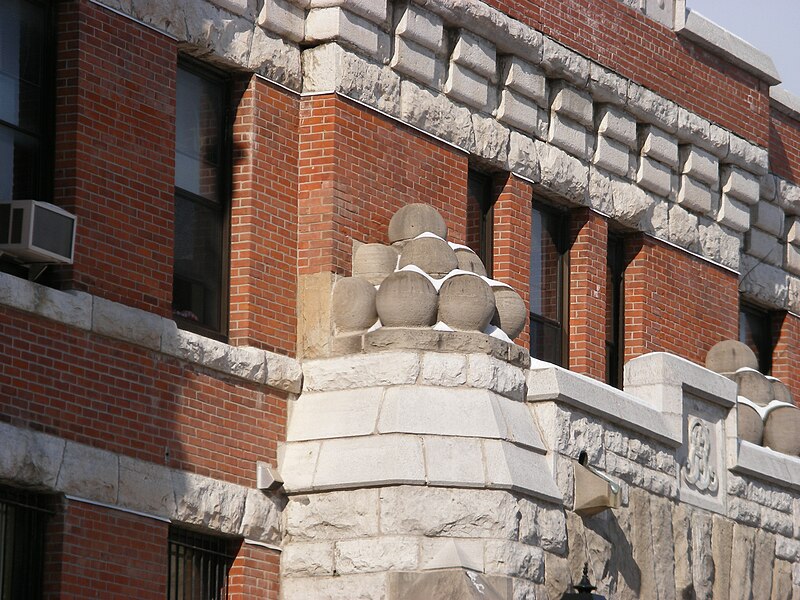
[
  {"x": 420, "y": 280},
  {"x": 766, "y": 414}
]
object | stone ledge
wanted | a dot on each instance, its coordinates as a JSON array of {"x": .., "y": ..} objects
[
  {"x": 785, "y": 101},
  {"x": 767, "y": 465},
  {"x": 42, "y": 461},
  {"x": 148, "y": 330}
]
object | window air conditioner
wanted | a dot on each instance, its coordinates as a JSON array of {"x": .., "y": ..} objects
[{"x": 37, "y": 232}]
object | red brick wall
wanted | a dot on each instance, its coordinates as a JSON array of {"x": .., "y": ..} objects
[
  {"x": 587, "y": 293},
  {"x": 264, "y": 218},
  {"x": 357, "y": 168},
  {"x": 676, "y": 302},
  {"x": 255, "y": 574},
  {"x": 652, "y": 55},
  {"x": 786, "y": 353},
  {"x": 118, "y": 397},
  {"x": 109, "y": 555},
  {"x": 115, "y": 109},
  {"x": 784, "y": 146}
]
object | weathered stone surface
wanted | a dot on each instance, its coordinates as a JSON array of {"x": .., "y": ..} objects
[
  {"x": 514, "y": 559},
  {"x": 433, "y": 112},
  {"x": 146, "y": 487},
  {"x": 719, "y": 244},
  {"x": 782, "y": 581},
  {"x": 606, "y": 85},
  {"x": 334, "y": 414},
  {"x": 360, "y": 586},
  {"x": 431, "y": 254},
  {"x": 70, "y": 308},
  {"x": 611, "y": 155},
  {"x": 283, "y": 18},
  {"x": 491, "y": 139},
  {"x": 750, "y": 157},
  {"x": 476, "y": 54},
  {"x": 307, "y": 558},
  {"x": 277, "y": 60},
  {"x": 780, "y": 430},
  {"x": 314, "y": 314},
  {"x": 602, "y": 188},
  {"x": 207, "y": 502},
  {"x": 702, "y": 557},
  {"x": 684, "y": 546},
  {"x": 615, "y": 123},
  {"x": 519, "y": 111},
  {"x": 642, "y": 542},
  {"x": 421, "y": 26},
  {"x": 700, "y": 165},
  {"x": 768, "y": 217},
  {"x": 408, "y": 298},
  {"x": 561, "y": 173},
  {"x": 261, "y": 520},
  {"x": 695, "y": 195},
  {"x": 733, "y": 214},
  {"x": 740, "y": 184},
  {"x": 511, "y": 313},
  {"x": 564, "y": 63},
  {"x": 465, "y": 85},
  {"x": 523, "y": 156},
  {"x": 683, "y": 228},
  {"x": 495, "y": 375},
  {"x": 542, "y": 525},
  {"x": 652, "y": 108},
  {"x": 663, "y": 548},
  {"x": 374, "y": 262},
  {"x": 361, "y": 371},
  {"x": 125, "y": 323},
  {"x": 654, "y": 176},
  {"x": 414, "y": 219},
  {"x": 526, "y": 79},
  {"x": 336, "y": 515},
  {"x": 30, "y": 458},
  {"x": 366, "y": 555},
  {"x": 788, "y": 196},
  {"x": 443, "y": 369},
  {"x": 764, "y": 246},
  {"x": 466, "y": 303},
  {"x": 89, "y": 472},
  {"x": 451, "y": 553},
  {"x": 742, "y": 563},
  {"x": 568, "y": 135},
  {"x": 417, "y": 62},
  {"x": 334, "y": 23},
  {"x": 721, "y": 548},
  {"x": 659, "y": 145},
  {"x": 572, "y": 103},
  {"x": 454, "y": 461},
  {"x": 764, "y": 282}
]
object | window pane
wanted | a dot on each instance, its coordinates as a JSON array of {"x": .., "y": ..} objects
[
  {"x": 198, "y": 135},
  {"x": 198, "y": 565},
  {"x": 546, "y": 257},
  {"x": 19, "y": 161},
  {"x": 545, "y": 341},
  {"x": 755, "y": 330}
]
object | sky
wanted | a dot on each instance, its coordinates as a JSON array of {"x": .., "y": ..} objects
[{"x": 769, "y": 25}]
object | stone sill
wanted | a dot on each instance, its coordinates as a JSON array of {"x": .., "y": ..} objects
[
  {"x": 768, "y": 465},
  {"x": 117, "y": 321}
]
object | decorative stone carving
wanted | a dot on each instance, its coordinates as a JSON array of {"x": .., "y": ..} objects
[{"x": 698, "y": 471}]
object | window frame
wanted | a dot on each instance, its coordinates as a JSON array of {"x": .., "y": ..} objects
[
  {"x": 224, "y": 181},
  {"x": 765, "y": 346},
  {"x": 615, "y": 297},
  {"x": 485, "y": 199},
  {"x": 188, "y": 544}
]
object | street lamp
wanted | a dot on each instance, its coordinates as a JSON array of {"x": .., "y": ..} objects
[{"x": 584, "y": 588}]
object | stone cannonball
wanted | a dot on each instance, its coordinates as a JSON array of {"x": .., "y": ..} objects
[
  {"x": 466, "y": 303},
  {"x": 780, "y": 430},
  {"x": 469, "y": 261},
  {"x": 751, "y": 427},
  {"x": 754, "y": 386},
  {"x": 780, "y": 391},
  {"x": 374, "y": 262},
  {"x": 729, "y": 356},
  {"x": 413, "y": 219},
  {"x": 431, "y": 254},
  {"x": 407, "y": 299},
  {"x": 353, "y": 304},
  {"x": 511, "y": 314}
]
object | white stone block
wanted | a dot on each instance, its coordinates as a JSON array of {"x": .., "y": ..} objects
[
  {"x": 335, "y": 23},
  {"x": 526, "y": 79},
  {"x": 521, "y": 425},
  {"x": 740, "y": 184},
  {"x": 444, "y": 369},
  {"x": 519, "y": 469},
  {"x": 793, "y": 234},
  {"x": 369, "y": 461},
  {"x": 343, "y": 514},
  {"x": 434, "y": 112},
  {"x": 364, "y": 586},
  {"x": 496, "y": 375},
  {"x": 768, "y": 187},
  {"x": 518, "y": 111},
  {"x": 436, "y": 411},
  {"x": 270, "y": 55},
  {"x": 695, "y": 195},
  {"x": 766, "y": 283},
  {"x": 415, "y": 61},
  {"x": 763, "y": 245},
  {"x": 296, "y": 462},
  {"x": 659, "y": 145},
  {"x": 283, "y": 18},
  {"x": 654, "y": 176},
  {"x": 262, "y": 519},
  {"x": 611, "y": 155},
  {"x": 683, "y": 229},
  {"x": 523, "y": 157},
  {"x": 747, "y": 155},
  {"x": 146, "y": 487},
  {"x": 454, "y": 461},
  {"x": 607, "y": 86},
  {"x": 514, "y": 559},
  {"x": 307, "y": 558},
  {"x": 561, "y": 173},
  {"x": 568, "y": 135},
  {"x": 30, "y": 458},
  {"x": 207, "y": 502},
  {"x": 652, "y": 108},
  {"x": 89, "y": 473},
  {"x": 372, "y": 10},
  {"x": 476, "y": 54},
  {"x": 788, "y": 195},
  {"x": 467, "y": 86},
  {"x": 451, "y": 553},
  {"x": 367, "y": 555},
  {"x": 733, "y": 214},
  {"x": 569, "y": 102},
  {"x": 491, "y": 139},
  {"x": 342, "y": 413},
  {"x": 792, "y": 262},
  {"x": 125, "y": 323},
  {"x": 239, "y": 7},
  {"x": 720, "y": 244},
  {"x": 70, "y": 308},
  {"x": 615, "y": 123},
  {"x": 563, "y": 63},
  {"x": 768, "y": 217},
  {"x": 367, "y": 370},
  {"x": 422, "y": 27},
  {"x": 700, "y": 164}
]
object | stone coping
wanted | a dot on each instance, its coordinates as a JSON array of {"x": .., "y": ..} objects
[
  {"x": 768, "y": 465},
  {"x": 147, "y": 330},
  {"x": 785, "y": 101},
  {"x": 46, "y": 462}
]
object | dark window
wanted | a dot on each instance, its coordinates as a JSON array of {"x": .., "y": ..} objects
[
  {"x": 480, "y": 200},
  {"x": 549, "y": 284},
  {"x": 25, "y": 106},
  {"x": 23, "y": 518},
  {"x": 199, "y": 565},
  {"x": 755, "y": 330},
  {"x": 615, "y": 310},
  {"x": 202, "y": 181}
]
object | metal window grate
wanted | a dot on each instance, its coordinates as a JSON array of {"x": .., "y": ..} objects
[
  {"x": 198, "y": 565},
  {"x": 23, "y": 519}
]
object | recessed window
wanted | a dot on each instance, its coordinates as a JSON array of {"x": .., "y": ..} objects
[
  {"x": 549, "y": 283},
  {"x": 615, "y": 310},
  {"x": 23, "y": 519},
  {"x": 480, "y": 201},
  {"x": 202, "y": 183},
  {"x": 755, "y": 330},
  {"x": 199, "y": 565}
]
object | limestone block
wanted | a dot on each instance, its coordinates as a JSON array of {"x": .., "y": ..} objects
[
  {"x": 207, "y": 502},
  {"x": 720, "y": 244},
  {"x": 522, "y": 428},
  {"x": 523, "y": 156},
  {"x": 663, "y": 546},
  {"x": 696, "y": 130},
  {"x": 542, "y": 525},
  {"x": 486, "y": 372},
  {"x": 374, "y": 262},
  {"x": 491, "y": 139},
  {"x": 792, "y": 259},
  {"x": 367, "y": 461},
  {"x": 695, "y": 195},
  {"x": 510, "y": 467},
  {"x": 614, "y": 123},
  {"x": 748, "y": 156},
  {"x": 476, "y": 54},
  {"x": 787, "y": 548},
  {"x": 376, "y": 554},
  {"x": 654, "y": 176},
  {"x": 454, "y": 461},
  {"x": 740, "y": 184},
  {"x": 659, "y": 145},
  {"x": 728, "y": 356},
  {"x": 369, "y": 370},
  {"x": 336, "y": 515},
  {"x": 612, "y": 156},
  {"x": 788, "y": 196},
  {"x": 793, "y": 233},
  {"x": 763, "y": 245},
  {"x": 511, "y": 314},
  {"x": 776, "y": 522},
  {"x": 30, "y": 458},
  {"x": 335, "y": 23},
  {"x": 433, "y": 112},
  {"x": 70, "y": 308},
  {"x": 307, "y": 558},
  {"x": 768, "y": 187},
  {"x": 283, "y": 373},
  {"x": 239, "y": 7},
  {"x": 568, "y": 135},
  {"x": 125, "y": 323},
  {"x": 741, "y": 562},
  {"x": 753, "y": 385},
  {"x": 467, "y": 86},
  {"x": 363, "y": 586},
  {"x": 269, "y": 55},
  {"x": 733, "y": 214},
  {"x": 601, "y": 191},
  {"x": 518, "y": 111},
  {"x": 89, "y": 473},
  {"x": 407, "y": 299},
  {"x": 699, "y": 164},
  {"x": 283, "y": 18},
  {"x": 652, "y": 108},
  {"x": 607, "y": 86},
  {"x": 768, "y": 217},
  {"x": 782, "y": 581},
  {"x": 525, "y": 79},
  {"x": 146, "y": 487},
  {"x": 514, "y": 559},
  {"x": 416, "y": 61},
  {"x": 448, "y": 512},
  {"x": 683, "y": 228},
  {"x": 780, "y": 430},
  {"x": 563, "y": 63},
  {"x": 561, "y": 173},
  {"x": 443, "y": 369},
  {"x": 262, "y": 516},
  {"x": 421, "y": 26},
  {"x": 764, "y": 282},
  {"x": 437, "y": 411},
  {"x": 321, "y": 415},
  {"x": 451, "y": 553},
  {"x": 569, "y": 102}
]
